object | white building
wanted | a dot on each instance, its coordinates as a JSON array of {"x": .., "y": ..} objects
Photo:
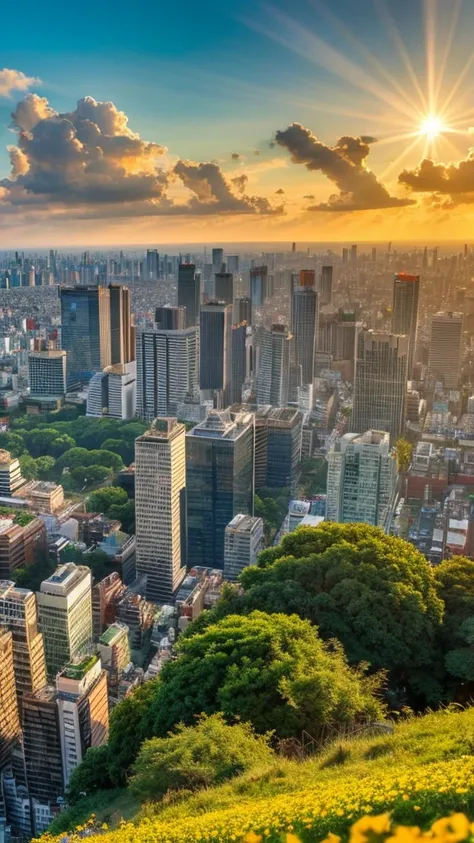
[
  {"x": 362, "y": 479},
  {"x": 243, "y": 541},
  {"x": 160, "y": 508},
  {"x": 65, "y": 615},
  {"x": 112, "y": 392},
  {"x": 10, "y": 475},
  {"x": 273, "y": 366},
  {"x": 166, "y": 371}
]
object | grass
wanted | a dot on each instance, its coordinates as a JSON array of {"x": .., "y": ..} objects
[{"x": 420, "y": 772}]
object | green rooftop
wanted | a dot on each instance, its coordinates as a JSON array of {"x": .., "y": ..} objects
[
  {"x": 108, "y": 636},
  {"x": 79, "y": 670}
]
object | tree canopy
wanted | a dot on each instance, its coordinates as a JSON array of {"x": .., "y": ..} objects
[{"x": 455, "y": 581}]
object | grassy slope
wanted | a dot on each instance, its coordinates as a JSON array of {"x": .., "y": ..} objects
[{"x": 351, "y": 770}]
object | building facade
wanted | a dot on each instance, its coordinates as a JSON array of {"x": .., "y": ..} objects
[
  {"x": 166, "y": 371},
  {"x": 85, "y": 331},
  {"x": 243, "y": 542},
  {"x": 65, "y": 615},
  {"x": 305, "y": 316},
  {"x": 444, "y": 362},
  {"x": 18, "y": 614},
  {"x": 47, "y": 372},
  {"x": 273, "y": 378},
  {"x": 189, "y": 293},
  {"x": 406, "y": 296},
  {"x": 380, "y": 383}
]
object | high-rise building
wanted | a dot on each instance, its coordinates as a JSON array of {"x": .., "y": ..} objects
[
  {"x": 43, "y": 760},
  {"x": 278, "y": 434},
  {"x": 406, "y": 294},
  {"x": 83, "y": 711},
  {"x": 305, "y": 315},
  {"x": 243, "y": 310},
  {"x": 65, "y": 615},
  {"x": 189, "y": 292},
  {"x": 243, "y": 542},
  {"x": 217, "y": 260},
  {"x": 10, "y": 727},
  {"x": 220, "y": 481},
  {"x": 444, "y": 362},
  {"x": 232, "y": 263},
  {"x": 18, "y": 614},
  {"x": 166, "y": 371},
  {"x": 85, "y": 331},
  {"x": 273, "y": 366},
  {"x": 353, "y": 254},
  {"x": 380, "y": 383},
  {"x": 326, "y": 286},
  {"x": 105, "y": 595},
  {"x": 122, "y": 348},
  {"x": 20, "y": 546},
  {"x": 113, "y": 392},
  {"x": 362, "y": 479},
  {"x": 215, "y": 337},
  {"x": 224, "y": 287},
  {"x": 239, "y": 362},
  {"x": 307, "y": 278},
  {"x": 47, "y": 372},
  {"x": 170, "y": 318},
  {"x": 10, "y": 474},
  {"x": 152, "y": 265},
  {"x": 258, "y": 286},
  {"x": 160, "y": 508}
]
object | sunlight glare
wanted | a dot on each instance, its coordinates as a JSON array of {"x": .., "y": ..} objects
[{"x": 431, "y": 127}]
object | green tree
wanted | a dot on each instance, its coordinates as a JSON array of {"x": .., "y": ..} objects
[
  {"x": 28, "y": 467},
  {"x": 270, "y": 670},
  {"x": 73, "y": 458},
  {"x": 103, "y": 499},
  {"x": 45, "y": 467},
  {"x": 124, "y": 513},
  {"x": 39, "y": 441},
  {"x": 195, "y": 757},
  {"x": 61, "y": 444},
  {"x": 92, "y": 774},
  {"x": 102, "y": 457},
  {"x": 33, "y": 575},
  {"x": 375, "y": 593},
  {"x": 404, "y": 451},
  {"x": 100, "y": 563},
  {"x": 12, "y": 442},
  {"x": 128, "y": 730},
  {"x": 120, "y": 447},
  {"x": 88, "y": 474},
  {"x": 455, "y": 581}
]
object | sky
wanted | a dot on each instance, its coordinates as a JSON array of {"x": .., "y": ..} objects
[{"x": 236, "y": 120}]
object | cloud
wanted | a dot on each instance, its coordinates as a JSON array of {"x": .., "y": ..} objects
[
  {"x": 256, "y": 152},
  {"x": 308, "y": 196},
  {"x": 15, "y": 80},
  {"x": 344, "y": 165},
  {"x": 75, "y": 161},
  {"x": 235, "y": 156},
  {"x": 455, "y": 180},
  {"x": 280, "y": 190}
]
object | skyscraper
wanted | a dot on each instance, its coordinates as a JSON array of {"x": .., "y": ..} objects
[
  {"x": 122, "y": 349},
  {"x": 380, "y": 383},
  {"x": 239, "y": 364},
  {"x": 220, "y": 482},
  {"x": 445, "y": 348},
  {"x": 113, "y": 392},
  {"x": 65, "y": 615},
  {"x": 11, "y": 478},
  {"x": 307, "y": 278},
  {"x": 224, "y": 287},
  {"x": 305, "y": 315},
  {"x": 166, "y": 371},
  {"x": 10, "y": 727},
  {"x": 215, "y": 347},
  {"x": 18, "y": 614},
  {"x": 160, "y": 506},
  {"x": 217, "y": 260},
  {"x": 273, "y": 366},
  {"x": 189, "y": 292},
  {"x": 258, "y": 286},
  {"x": 170, "y": 318},
  {"x": 152, "y": 265},
  {"x": 277, "y": 447},
  {"x": 326, "y": 286},
  {"x": 362, "y": 479},
  {"x": 243, "y": 310},
  {"x": 232, "y": 263},
  {"x": 43, "y": 760},
  {"x": 406, "y": 293},
  {"x": 85, "y": 331},
  {"x": 47, "y": 372}
]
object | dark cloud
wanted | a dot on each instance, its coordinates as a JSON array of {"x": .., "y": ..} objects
[
  {"x": 235, "y": 156},
  {"x": 453, "y": 180},
  {"x": 240, "y": 182},
  {"x": 257, "y": 152},
  {"x": 308, "y": 196},
  {"x": 280, "y": 190},
  {"x": 214, "y": 193},
  {"x": 343, "y": 164}
]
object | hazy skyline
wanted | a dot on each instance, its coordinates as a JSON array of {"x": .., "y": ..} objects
[{"x": 332, "y": 122}]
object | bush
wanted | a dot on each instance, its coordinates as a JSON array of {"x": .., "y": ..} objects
[
  {"x": 197, "y": 756},
  {"x": 92, "y": 774}
]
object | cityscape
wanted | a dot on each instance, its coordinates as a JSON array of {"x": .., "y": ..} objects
[{"x": 237, "y": 423}]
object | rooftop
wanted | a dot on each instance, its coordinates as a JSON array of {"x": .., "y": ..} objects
[
  {"x": 113, "y": 632},
  {"x": 78, "y": 670}
]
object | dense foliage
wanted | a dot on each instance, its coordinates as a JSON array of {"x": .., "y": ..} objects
[
  {"x": 193, "y": 757},
  {"x": 455, "y": 580}
]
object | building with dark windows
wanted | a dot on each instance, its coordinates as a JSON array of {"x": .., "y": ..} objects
[
  {"x": 224, "y": 287},
  {"x": 219, "y": 481},
  {"x": 189, "y": 292},
  {"x": 85, "y": 331},
  {"x": 380, "y": 383},
  {"x": 47, "y": 372},
  {"x": 166, "y": 371},
  {"x": 243, "y": 310},
  {"x": 43, "y": 760},
  {"x": 305, "y": 315},
  {"x": 326, "y": 286},
  {"x": 258, "y": 285},
  {"x": 239, "y": 362},
  {"x": 170, "y": 318},
  {"x": 152, "y": 265},
  {"x": 278, "y": 435},
  {"x": 273, "y": 366},
  {"x": 406, "y": 295},
  {"x": 19, "y": 614},
  {"x": 122, "y": 347},
  {"x": 215, "y": 347}
]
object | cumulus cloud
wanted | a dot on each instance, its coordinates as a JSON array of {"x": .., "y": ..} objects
[
  {"x": 455, "y": 180},
  {"x": 344, "y": 165},
  {"x": 90, "y": 157},
  {"x": 15, "y": 80}
]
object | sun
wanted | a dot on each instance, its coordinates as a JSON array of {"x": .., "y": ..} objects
[{"x": 431, "y": 127}]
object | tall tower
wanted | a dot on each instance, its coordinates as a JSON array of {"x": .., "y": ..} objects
[
  {"x": 160, "y": 505},
  {"x": 170, "y": 318},
  {"x": 445, "y": 348},
  {"x": 215, "y": 347},
  {"x": 305, "y": 315},
  {"x": 380, "y": 383},
  {"x": 224, "y": 287},
  {"x": 239, "y": 362},
  {"x": 65, "y": 615},
  {"x": 41, "y": 740},
  {"x": 85, "y": 331},
  {"x": 258, "y": 286},
  {"x": 152, "y": 264},
  {"x": 10, "y": 727},
  {"x": 18, "y": 614},
  {"x": 189, "y": 292},
  {"x": 166, "y": 371},
  {"x": 406, "y": 294},
  {"x": 274, "y": 366},
  {"x": 121, "y": 350},
  {"x": 326, "y": 285},
  {"x": 307, "y": 278}
]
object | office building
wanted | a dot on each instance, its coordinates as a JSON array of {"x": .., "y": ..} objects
[
  {"x": 152, "y": 265},
  {"x": 273, "y": 366},
  {"x": 10, "y": 728},
  {"x": 170, "y": 318},
  {"x": 224, "y": 287},
  {"x": 406, "y": 294},
  {"x": 10, "y": 475},
  {"x": 380, "y": 383},
  {"x": 239, "y": 362},
  {"x": 47, "y": 372},
  {"x": 113, "y": 392},
  {"x": 189, "y": 292},
  {"x": 43, "y": 760},
  {"x": 243, "y": 310},
  {"x": 444, "y": 362},
  {"x": 362, "y": 479},
  {"x": 305, "y": 315},
  {"x": 114, "y": 652},
  {"x": 65, "y": 615},
  {"x": 243, "y": 542},
  {"x": 353, "y": 254},
  {"x": 307, "y": 278},
  {"x": 220, "y": 482},
  {"x": 20, "y": 546},
  {"x": 278, "y": 435},
  {"x": 232, "y": 263},
  {"x": 160, "y": 508},
  {"x": 215, "y": 336},
  {"x": 325, "y": 286},
  {"x": 83, "y": 711},
  {"x": 258, "y": 286},
  {"x": 122, "y": 346},
  {"x": 105, "y": 595},
  {"x": 18, "y": 614},
  {"x": 217, "y": 260},
  {"x": 166, "y": 371},
  {"x": 85, "y": 331}
]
